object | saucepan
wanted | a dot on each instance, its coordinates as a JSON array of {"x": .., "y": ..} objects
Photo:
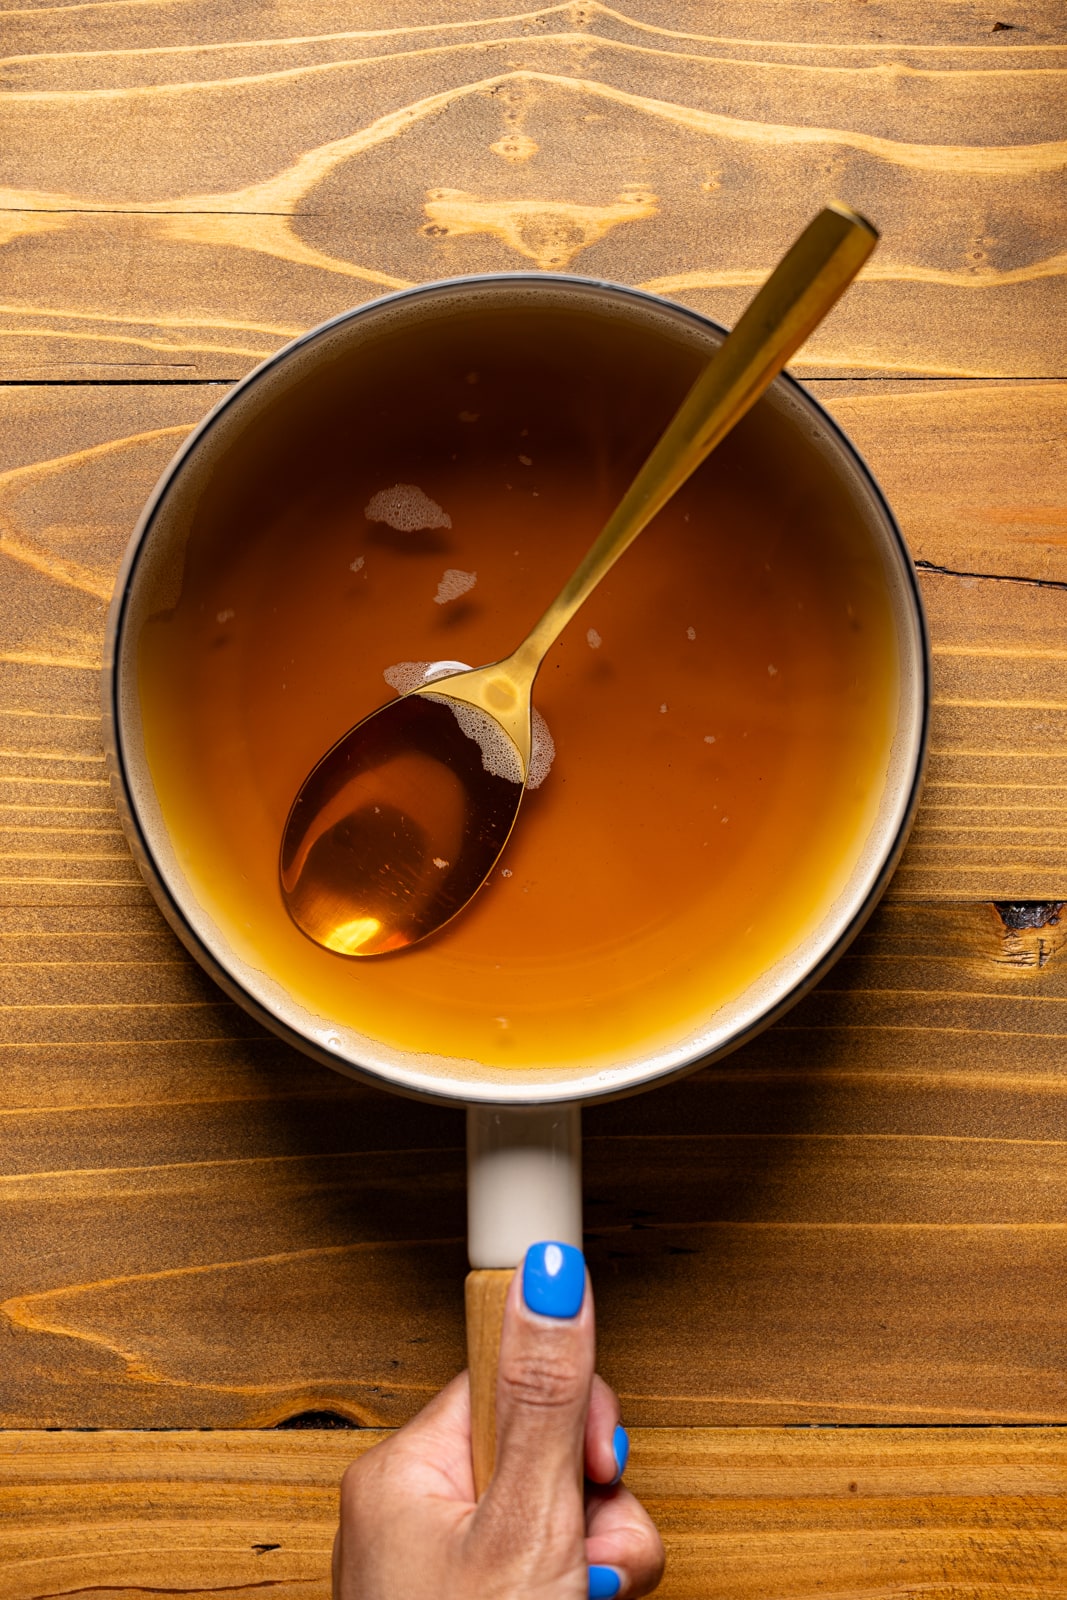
[{"x": 283, "y": 504}]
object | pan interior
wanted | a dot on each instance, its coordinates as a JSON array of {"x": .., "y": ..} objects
[{"x": 736, "y": 715}]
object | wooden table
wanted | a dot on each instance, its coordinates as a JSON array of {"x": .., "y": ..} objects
[{"x": 837, "y": 1315}]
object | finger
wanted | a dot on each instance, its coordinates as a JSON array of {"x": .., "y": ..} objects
[
  {"x": 547, "y": 1352},
  {"x": 607, "y": 1444},
  {"x": 622, "y": 1538}
]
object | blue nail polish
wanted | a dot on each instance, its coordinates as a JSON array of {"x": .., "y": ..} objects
[
  {"x": 603, "y": 1583},
  {"x": 553, "y": 1281},
  {"x": 620, "y": 1444}
]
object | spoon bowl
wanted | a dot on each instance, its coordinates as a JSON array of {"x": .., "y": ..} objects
[{"x": 401, "y": 822}]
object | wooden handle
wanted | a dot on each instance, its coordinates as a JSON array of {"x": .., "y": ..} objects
[{"x": 485, "y": 1295}]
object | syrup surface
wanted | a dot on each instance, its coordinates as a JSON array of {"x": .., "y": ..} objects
[{"x": 722, "y": 709}]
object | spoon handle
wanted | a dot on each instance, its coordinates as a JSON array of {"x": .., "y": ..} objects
[{"x": 800, "y": 291}]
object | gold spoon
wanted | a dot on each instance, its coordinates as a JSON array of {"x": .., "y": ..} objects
[{"x": 401, "y": 822}]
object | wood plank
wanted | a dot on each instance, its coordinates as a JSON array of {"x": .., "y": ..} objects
[
  {"x": 789, "y": 29},
  {"x": 990, "y": 821},
  {"x": 746, "y": 1514},
  {"x": 75, "y": 467},
  {"x": 834, "y": 1225},
  {"x": 976, "y": 473},
  {"x": 680, "y": 149}
]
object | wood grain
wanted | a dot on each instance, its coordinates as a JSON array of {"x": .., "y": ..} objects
[
  {"x": 746, "y": 1514},
  {"x": 976, "y": 473},
  {"x": 857, "y": 1218},
  {"x": 485, "y": 1294},
  {"x": 245, "y": 188}
]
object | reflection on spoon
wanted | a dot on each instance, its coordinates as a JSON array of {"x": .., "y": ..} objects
[
  {"x": 402, "y": 821},
  {"x": 398, "y": 825}
]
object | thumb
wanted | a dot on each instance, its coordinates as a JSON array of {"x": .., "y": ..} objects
[{"x": 547, "y": 1357}]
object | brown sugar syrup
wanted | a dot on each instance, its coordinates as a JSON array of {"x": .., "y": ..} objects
[{"x": 722, "y": 709}]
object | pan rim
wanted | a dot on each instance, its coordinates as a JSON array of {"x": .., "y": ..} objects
[{"x": 520, "y": 1088}]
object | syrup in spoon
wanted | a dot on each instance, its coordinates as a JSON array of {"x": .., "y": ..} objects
[{"x": 400, "y": 823}]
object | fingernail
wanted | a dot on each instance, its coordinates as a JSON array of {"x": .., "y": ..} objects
[
  {"x": 553, "y": 1283},
  {"x": 620, "y": 1444},
  {"x": 603, "y": 1583}
]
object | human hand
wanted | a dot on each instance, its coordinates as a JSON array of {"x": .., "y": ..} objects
[{"x": 410, "y": 1524}]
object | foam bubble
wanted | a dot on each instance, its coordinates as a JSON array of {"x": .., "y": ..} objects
[
  {"x": 709, "y": 738},
  {"x": 496, "y": 747},
  {"x": 453, "y": 584},
  {"x": 499, "y": 756},
  {"x": 542, "y": 750},
  {"x": 772, "y": 671},
  {"x": 403, "y": 676},
  {"x": 593, "y": 639},
  {"x": 690, "y": 633},
  {"x": 439, "y": 861},
  {"x": 663, "y": 707},
  {"x": 225, "y": 616},
  {"x": 407, "y": 508},
  {"x": 357, "y": 564}
]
